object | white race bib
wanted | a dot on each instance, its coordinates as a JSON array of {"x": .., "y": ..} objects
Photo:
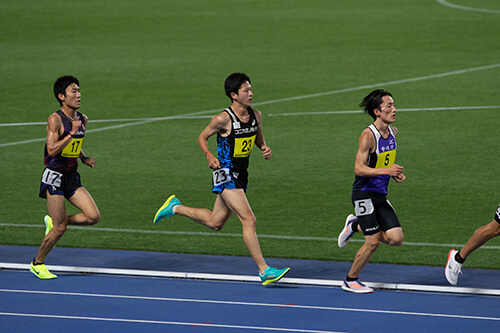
[
  {"x": 363, "y": 207},
  {"x": 221, "y": 176},
  {"x": 51, "y": 177}
]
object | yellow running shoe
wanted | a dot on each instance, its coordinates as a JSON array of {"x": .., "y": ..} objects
[
  {"x": 48, "y": 224},
  {"x": 41, "y": 271}
]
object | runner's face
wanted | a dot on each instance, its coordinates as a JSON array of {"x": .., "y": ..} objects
[
  {"x": 387, "y": 110},
  {"x": 245, "y": 94},
  {"x": 73, "y": 96}
]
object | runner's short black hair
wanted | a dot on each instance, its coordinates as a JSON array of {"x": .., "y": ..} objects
[
  {"x": 61, "y": 84},
  {"x": 233, "y": 83},
  {"x": 373, "y": 100}
]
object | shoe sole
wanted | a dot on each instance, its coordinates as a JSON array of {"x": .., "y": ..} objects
[
  {"x": 42, "y": 278},
  {"x": 265, "y": 283},
  {"x": 48, "y": 226},
  {"x": 163, "y": 207},
  {"x": 450, "y": 255},
  {"x": 356, "y": 291},
  {"x": 343, "y": 230}
]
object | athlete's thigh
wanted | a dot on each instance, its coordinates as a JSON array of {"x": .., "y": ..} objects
[
  {"x": 365, "y": 210},
  {"x": 221, "y": 212},
  {"x": 386, "y": 215},
  {"x": 394, "y": 235},
  {"x": 237, "y": 202},
  {"x": 56, "y": 207},
  {"x": 84, "y": 202}
]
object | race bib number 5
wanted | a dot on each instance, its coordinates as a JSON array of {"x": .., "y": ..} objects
[
  {"x": 51, "y": 177},
  {"x": 386, "y": 159},
  {"x": 72, "y": 150},
  {"x": 221, "y": 176},
  {"x": 243, "y": 146},
  {"x": 363, "y": 207}
]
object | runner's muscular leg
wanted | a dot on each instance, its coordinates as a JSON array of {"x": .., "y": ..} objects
[
  {"x": 214, "y": 220},
  {"x": 237, "y": 201},
  {"x": 82, "y": 200},
  {"x": 364, "y": 254},
  {"x": 479, "y": 237},
  {"x": 393, "y": 236},
  {"x": 57, "y": 211}
]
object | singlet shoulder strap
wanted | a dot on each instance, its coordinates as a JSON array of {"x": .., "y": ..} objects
[
  {"x": 391, "y": 131},
  {"x": 231, "y": 114},
  {"x": 375, "y": 131}
]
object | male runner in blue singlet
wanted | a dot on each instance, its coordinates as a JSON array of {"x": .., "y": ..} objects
[
  {"x": 60, "y": 178},
  {"x": 374, "y": 166},
  {"x": 238, "y": 130}
]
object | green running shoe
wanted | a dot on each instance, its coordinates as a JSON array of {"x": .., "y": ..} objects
[
  {"x": 48, "y": 224},
  {"x": 167, "y": 209},
  {"x": 272, "y": 274},
  {"x": 41, "y": 271}
]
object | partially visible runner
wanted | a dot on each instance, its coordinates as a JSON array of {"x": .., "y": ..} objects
[{"x": 482, "y": 234}]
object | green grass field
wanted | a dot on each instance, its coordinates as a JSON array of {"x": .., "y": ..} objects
[{"x": 308, "y": 61}]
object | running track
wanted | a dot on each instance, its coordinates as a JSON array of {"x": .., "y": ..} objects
[{"x": 132, "y": 291}]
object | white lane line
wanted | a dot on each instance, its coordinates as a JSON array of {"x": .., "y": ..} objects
[
  {"x": 123, "y": 320},
  {"x": 145, "y": 120},
  {"x": 252, "y": 278},
  {"x": 239, "y": 303},
  {"x": 484, "y": 10},
  {"x": 214, "y": 234},
  {"x": 433, "y": 76}
]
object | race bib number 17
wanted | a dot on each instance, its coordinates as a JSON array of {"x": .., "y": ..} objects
[
  {"x": 51, "y": 177},
  {"x": 72, "y": 150}
]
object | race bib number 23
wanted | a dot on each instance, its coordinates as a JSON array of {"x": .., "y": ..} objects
[
  {"x": 221, "y": 176},
  {"x": 243, "y": 146}
]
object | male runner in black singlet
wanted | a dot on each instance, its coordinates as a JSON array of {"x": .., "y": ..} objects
[
  {"x": 60, "y": 178},
  {"x": 238, "y": 130}
]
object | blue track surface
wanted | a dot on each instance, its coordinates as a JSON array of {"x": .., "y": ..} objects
[{"x": 96, "y": 302}]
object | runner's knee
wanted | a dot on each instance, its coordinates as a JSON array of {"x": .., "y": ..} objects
[
  {"x": 250, "y": 222},
  {"x": 93, "y": 219},
  {"x": 395, "y": 242},
  {"x": 215, "y": 225},
  {"x": 59, "y": 229}
]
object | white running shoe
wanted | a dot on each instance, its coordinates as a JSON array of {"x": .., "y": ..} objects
[
  {"x": 347, "y": 232},
  {"x": 453, "y": 268},
  {"x": 356, "y": 287}
]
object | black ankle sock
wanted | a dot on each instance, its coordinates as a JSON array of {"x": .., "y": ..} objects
[
  {"x": 459, "y": 258},
  {"x": 354, "y": 226},
  {"x": 349, "y": 279},
  {"x": 36, "y": 262}
]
